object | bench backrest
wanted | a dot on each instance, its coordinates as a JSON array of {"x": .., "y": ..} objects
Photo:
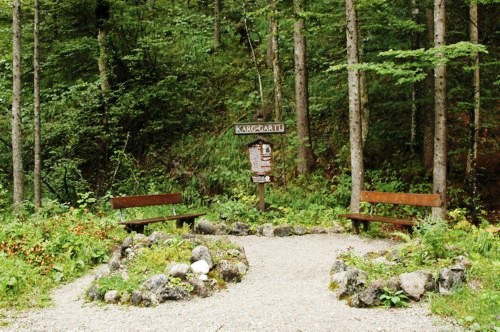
[
  {"x": 145, "y": 200},
  {"x": 401, "y": 198}
]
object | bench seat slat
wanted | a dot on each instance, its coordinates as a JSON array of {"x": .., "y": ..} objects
[
  {"x": 367, "y": 217},
  {"x": 401, "y": 198},
  {"x": 160, "y": 219}
]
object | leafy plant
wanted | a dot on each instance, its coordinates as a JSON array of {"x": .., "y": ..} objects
[{"x": 396, "y": 299}]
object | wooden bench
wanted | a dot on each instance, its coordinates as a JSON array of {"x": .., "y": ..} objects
[
  {"x": 151, "y": 200},
  {"x": 430, "y": 200}
]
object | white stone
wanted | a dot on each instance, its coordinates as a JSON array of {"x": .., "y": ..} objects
[{"x": 200, "y": 267}]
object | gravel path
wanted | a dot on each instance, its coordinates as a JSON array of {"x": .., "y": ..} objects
[{"x": 286, "y": 289}]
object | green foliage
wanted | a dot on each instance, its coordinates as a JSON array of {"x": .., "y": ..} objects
[
  {"x": 396, "y": 299},
  {"x": 44, "y": 251}
]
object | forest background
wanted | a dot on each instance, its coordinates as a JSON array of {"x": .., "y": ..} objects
[{"x": 140, "y": 96}]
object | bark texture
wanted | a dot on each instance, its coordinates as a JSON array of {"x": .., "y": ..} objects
[
  {"x": 37, "y": 148},
  {"x": 305, "y": 156},
  {"x": 355, "y": 133},
  {"x": 275, "y": 61},
  {"x": 440, "y": 108},
  {"x": 17, "y": 158}
]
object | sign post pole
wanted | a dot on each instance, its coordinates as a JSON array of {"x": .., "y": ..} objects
[{"x": 262, "y": 203}]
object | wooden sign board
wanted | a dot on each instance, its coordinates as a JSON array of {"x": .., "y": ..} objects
[
  {"x": 262, "y": 179},
  {"x": 260, "y": 153},
  {"x": 259, "y": 128}
]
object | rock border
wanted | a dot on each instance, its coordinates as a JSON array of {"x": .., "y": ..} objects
[{"x": 180, "y": 281}]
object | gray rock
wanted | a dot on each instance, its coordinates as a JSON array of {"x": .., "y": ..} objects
[
  {"x": 205, "y": 227},
  {"x": 155, "y": 283},
  {"x": 299, "y": 230},
  {"x": 125, "y": 298},
  {"x": 450, "y": 278},
  {"x": 115, "y": 260},
  {"x": 199, "y": 287},
  {"x": 338, "y": 266},
  {"x": 229, "y": 271},
  {"x": 200, "y": 267},
  {"x": 283, "y": 231},
  {"x": 179, "y": 270},
  {"x": 336, "y": 229},
  {"x": 353, "y": 281},
  {"x": 93, "y": 293},
  {"x": 221, "y": 229},
  {"x": 240, "y": 228},
  {"x": 136, "y": 298},
  {"x": 371, "y": 296},
  {"x": 140, "y": 240},
  {"x": 394, "y": 284},
  {"x": 202, "y": 253},
  {"x": 172, "y": 294},
  {"x": 149, "y": 299},
  {"x": 267, "y": 230},
  {"x": 461, "y": 263},
  {"x": 317, "y": 230},
  {"x": 242, "y": 268},
  {"x": 416, "y": 283},
  {"x": 112, "y": 297},
  {"x": 126, "y": 244}
]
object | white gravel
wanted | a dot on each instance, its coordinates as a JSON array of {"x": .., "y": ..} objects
[{"x": 286, "y": 289}]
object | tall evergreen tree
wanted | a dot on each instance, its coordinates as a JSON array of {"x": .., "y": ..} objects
[
  {"x": 355, "y": 134},
  {"x": 440, "y": 109},
  {"x": 17, "y": 157},
  {"x": 305, "y": 156}
]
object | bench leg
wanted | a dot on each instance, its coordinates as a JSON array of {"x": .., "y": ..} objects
[
  {"x": 355, "y": 226},
  {"x": 366, "y": 226},
  {"x": 180, "y": 222},
  {"x": 135, "y": 228}
]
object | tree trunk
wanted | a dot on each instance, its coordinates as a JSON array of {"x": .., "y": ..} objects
[
  {"x": 414, "y": 109},
  {"x": 363, "y": 95},
  {"x": 275, "y": 61},
  {"x": 355, "y": 133},
  {"x": 440, "y": 132},
  {"x": 474, "y": 116},
  {"x": 37, "y": 130},
  {"x": 305, "y": 154},
  {"x": 217, "y": 20},
  {"x": 428, "y": 131},
  {"x": 17, "y": 157}
]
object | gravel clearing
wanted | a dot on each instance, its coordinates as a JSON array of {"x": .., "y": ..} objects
[{"x": 286, "y": 289}]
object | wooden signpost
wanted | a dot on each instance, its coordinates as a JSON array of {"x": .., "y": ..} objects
[{"x": 260, "y": 152}]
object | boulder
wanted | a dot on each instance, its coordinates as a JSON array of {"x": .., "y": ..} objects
[
  {"x": 126, "y": 244},
  {"x": 450, "y": 278},
  {"x": 416, "y": 283},
  {"x": 202, "y": 253},
  {"x": 299, "y": 230},
  {"x": 205, "y": 227},
  {"x": 221, "y": 229},
  {"x": 158, "y": 238},
  {"x": 229, "y": 271},
  {"x": 240, "y": 228},
  {"x": 155, "y": 283},
  {"x": 352, "y": 281},
  {"x": 125, "y": 298},
  {"x": 136, "y": 298},
  {"x": 338, "y": 266},
  {"x": 149, "y": 299},
  {"x": 112, "y": 297},
  {"x": 267, "y": 230},
  {"x": 199, "y": 287},
  {"x": 283, "y": 231},
  {"x": 317, "y": 230},
  {"x": 172, "y": 294},
  {"x": 200, "y": 267},
  {"x": 178, "y": 270},
  {"x": 371, "y": 295},
  {"x": 93, "y": 293},
  {"x": 115, "y": 260}
]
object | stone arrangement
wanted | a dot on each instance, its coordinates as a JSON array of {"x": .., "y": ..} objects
[
  {"x": 243, "y": 229},
  {"x": 352, "y": 285},
  {"x": 180, "y": 281}
]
